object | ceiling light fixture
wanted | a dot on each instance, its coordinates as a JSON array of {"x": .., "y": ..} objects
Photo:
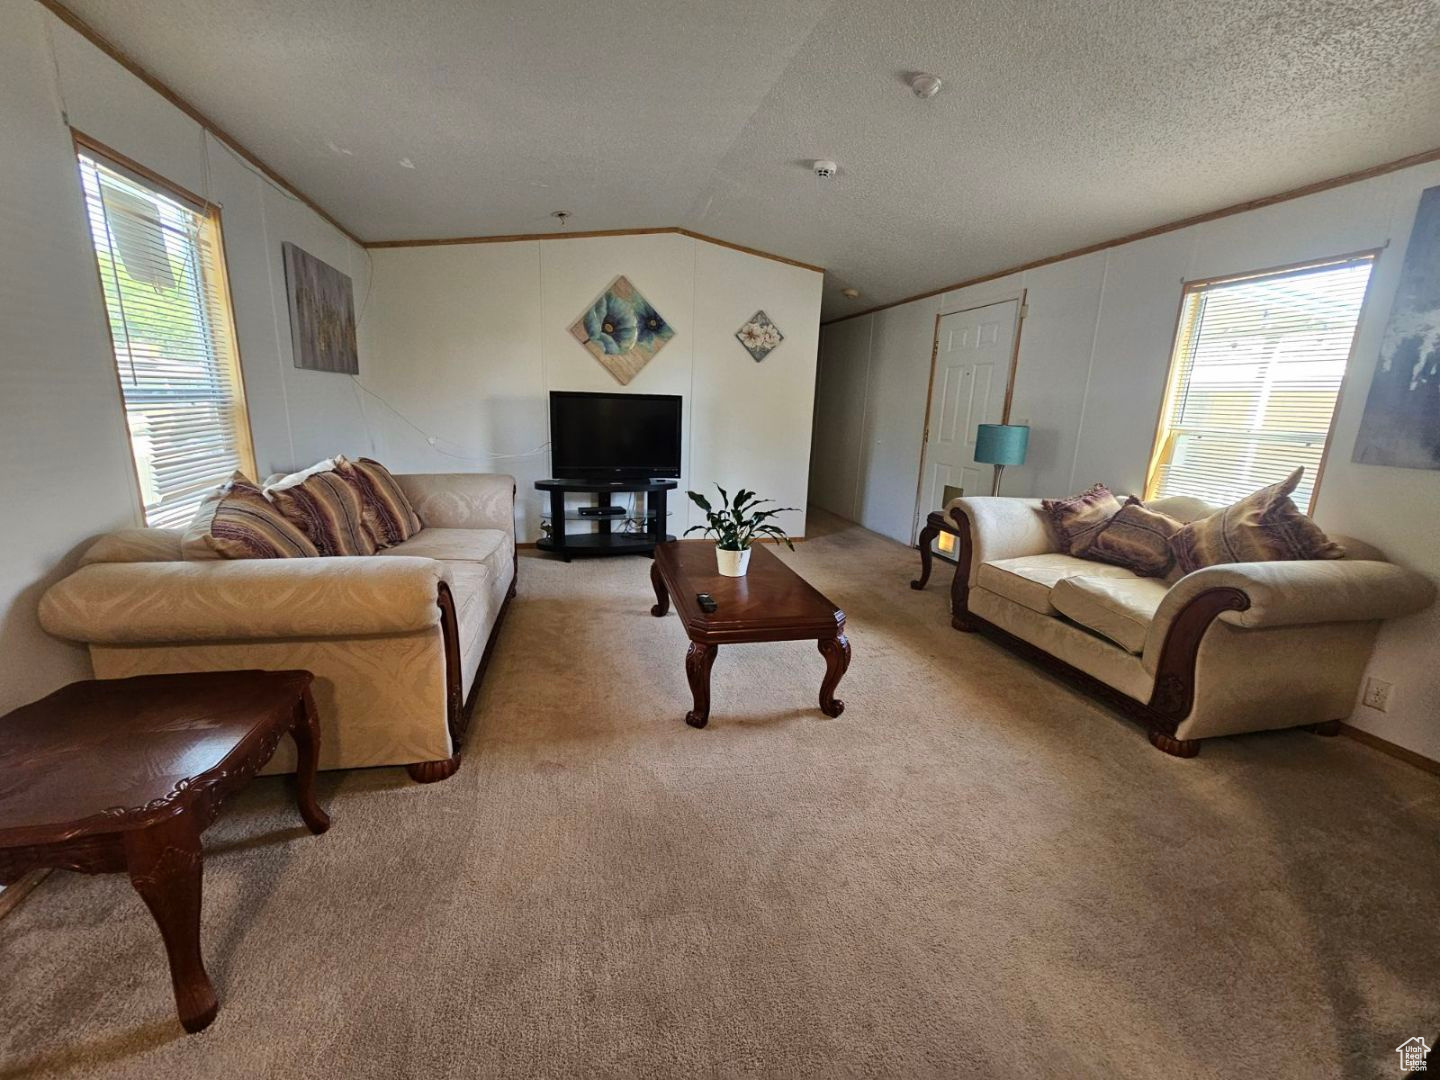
[{"x": 925, "y": 85}]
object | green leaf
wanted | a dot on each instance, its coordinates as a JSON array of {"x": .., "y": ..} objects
[
  {"x": 699, "y": 500},
  {"x": 724, "y": 499}
]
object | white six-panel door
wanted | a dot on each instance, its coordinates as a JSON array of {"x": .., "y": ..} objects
[{"x": 973, "y": 350}]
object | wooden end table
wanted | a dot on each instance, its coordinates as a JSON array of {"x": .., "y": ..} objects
[
  {"x": 770, "y": 603},
  {"x": 935, "y": 524},
  {"x": 114, "y": 775}
]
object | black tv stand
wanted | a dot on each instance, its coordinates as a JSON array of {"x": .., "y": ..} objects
[{"x": 604, "y": 541}]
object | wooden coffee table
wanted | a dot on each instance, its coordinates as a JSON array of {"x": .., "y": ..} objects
[
  {"x": 125, "y": 774},
  {"x": 770, "y": 603}
]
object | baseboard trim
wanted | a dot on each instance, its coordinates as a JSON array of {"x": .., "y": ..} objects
[
  {"x": 16, "y": 892},
  {"x": 1385, "y": 746}
]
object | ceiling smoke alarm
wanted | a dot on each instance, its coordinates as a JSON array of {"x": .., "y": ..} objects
[
  {"x": 925, "y": 85},
  {"x": 826, "y": 170},
  {"x": 850, "y": 294}
]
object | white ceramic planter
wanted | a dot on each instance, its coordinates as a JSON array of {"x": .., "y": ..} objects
[{"x": 732, "y": 563}]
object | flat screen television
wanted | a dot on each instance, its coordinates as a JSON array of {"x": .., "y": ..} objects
[{"x": 614, "y": 436}]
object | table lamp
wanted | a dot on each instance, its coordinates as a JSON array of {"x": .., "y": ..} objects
[{"x": 1001, "y": 445}]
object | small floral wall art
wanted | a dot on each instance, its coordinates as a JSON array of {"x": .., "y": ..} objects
[
  {"x": 622, "y": 330},
  {"x": 759, "y": 336}
]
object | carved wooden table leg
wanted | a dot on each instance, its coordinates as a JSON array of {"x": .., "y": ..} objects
[
  {"x": 927, "y": 537},
  {"x": 662, "y": 597},
  {"x": 165, "y": 868},
  {"x": 836, "y": 651},
  {"x": 306, "y": 733},
  {"x": 698, "y": 661}
]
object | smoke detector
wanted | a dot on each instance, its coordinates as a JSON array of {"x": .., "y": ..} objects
[
  {"x": 850, "y": 294},
  {"x": 826, "y": 170},
  {"x": 925, "y": 85}
]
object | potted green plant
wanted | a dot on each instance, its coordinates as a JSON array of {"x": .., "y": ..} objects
[{"x": 735, "y": 525}]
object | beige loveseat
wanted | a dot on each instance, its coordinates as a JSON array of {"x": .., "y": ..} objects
[
  {"x": 1225, "y": 649},
  {"x": 397, "y": 641}
]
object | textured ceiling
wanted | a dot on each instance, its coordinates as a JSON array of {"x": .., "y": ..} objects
[{"x": 1062, "y": 122}]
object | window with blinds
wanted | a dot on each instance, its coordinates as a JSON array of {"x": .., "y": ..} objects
[
  {"x": 162, "y": 272},
  {"x": 1254, "y": 378}
]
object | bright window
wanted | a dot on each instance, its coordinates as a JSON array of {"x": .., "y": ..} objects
[
  {"x": 163, "y": 275},
  {"x": 1254, "y": 378}
]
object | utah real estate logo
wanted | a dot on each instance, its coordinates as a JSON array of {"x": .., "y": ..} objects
[{"x": 1412, "y": 1054}]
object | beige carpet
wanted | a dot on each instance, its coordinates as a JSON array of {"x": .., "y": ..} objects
[{"x": 972, "y": 872}]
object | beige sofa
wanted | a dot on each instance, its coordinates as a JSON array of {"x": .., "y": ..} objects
[
  {"x": 1226, "y": 649},
  {"x": 397, "y": 641}
]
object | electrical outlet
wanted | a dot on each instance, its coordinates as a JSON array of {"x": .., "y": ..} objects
[{"x": 1377, "y": 695}]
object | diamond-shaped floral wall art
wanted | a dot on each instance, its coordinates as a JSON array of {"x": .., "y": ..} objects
[
  {"x": 759, "y": 336},
  {"x": 622, "y": 330}
]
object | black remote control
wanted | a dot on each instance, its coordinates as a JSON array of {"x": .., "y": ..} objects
[{"x": 706, "y": 602}]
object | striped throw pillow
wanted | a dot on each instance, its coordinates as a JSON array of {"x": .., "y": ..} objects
[
  {"x": 326, "y": 506},
  {"x": 1137, "y": 538},
  {"x": 1078, "y": 518},
  {"x": 238, "y": 522},
  {"x": 388, "y": 514},
  {"x": 1263, "y": 527}
]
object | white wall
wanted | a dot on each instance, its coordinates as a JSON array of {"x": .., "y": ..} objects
[
  {"x": 67, "y": 475},
  {"x": 62, "y": 436},
  {"x": 461, "y": 345},
  {"x": 1094, "y": 356},
  {"x": 296, "y": 416}
]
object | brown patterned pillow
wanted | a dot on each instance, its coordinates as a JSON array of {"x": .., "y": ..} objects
[
  {"x": 1077, "y": 518},
  {"x": 1263, "y": 527},
  {"x": 388, "y": 514},
  {"x": 238, "y": 522},
  {"x": 327, "y": 508},
  {"x": 1136, "y": 538}
]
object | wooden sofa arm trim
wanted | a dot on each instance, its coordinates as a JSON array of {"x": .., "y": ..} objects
[
  {"x": 458, "y": 710},
  {"x": 1174, "y": 693}
]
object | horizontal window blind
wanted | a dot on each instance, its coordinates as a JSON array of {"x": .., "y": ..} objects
[
  {"x": 1254, "y": 380},
  {"x": 162, "y": 274}
]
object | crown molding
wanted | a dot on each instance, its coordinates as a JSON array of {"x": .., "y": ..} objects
[
  {"x": 1422, "y": 158},
  {"x": 673, "y": 230},
  {"x": 110, "y": 49}
]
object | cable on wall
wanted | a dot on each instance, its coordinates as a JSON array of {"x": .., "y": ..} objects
[{"x": 436, "y": 440}]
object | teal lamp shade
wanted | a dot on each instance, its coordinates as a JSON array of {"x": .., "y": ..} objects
[{"x": 1002, "y": 444}]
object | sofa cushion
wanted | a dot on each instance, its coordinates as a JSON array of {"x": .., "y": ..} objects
[
  {"x": 479, "y": 565},
  {"x": 1029, "y": 579},
  {"x": 462, "y": 545},
  {"x": 1263, "y": 527},
  {"x": 236, "y": 521},
  {"x": 1120, "y": 609},
  {"x": 325, "y": 504}
]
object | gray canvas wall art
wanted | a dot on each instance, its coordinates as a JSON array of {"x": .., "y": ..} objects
[
  {"x": 322, "y": 314},
  {"x": 1401, "y": 423}
]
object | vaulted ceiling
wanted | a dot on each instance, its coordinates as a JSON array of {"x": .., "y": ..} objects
[{"x": 1061, "y": 123}]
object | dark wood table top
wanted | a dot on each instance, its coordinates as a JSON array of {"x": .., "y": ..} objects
[
  {"x": 770, "y": 603},
  {"x": 111, "y": 754}
]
